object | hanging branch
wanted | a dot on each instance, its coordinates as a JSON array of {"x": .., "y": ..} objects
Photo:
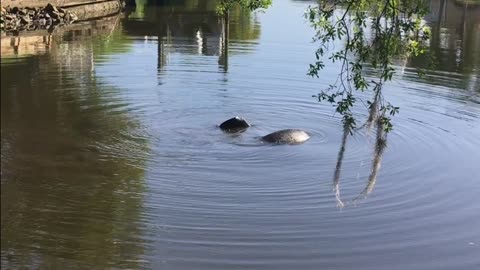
[{"x": 396, "y": 30}]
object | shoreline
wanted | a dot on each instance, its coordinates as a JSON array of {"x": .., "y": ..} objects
[{"x": 25, "y": 18}]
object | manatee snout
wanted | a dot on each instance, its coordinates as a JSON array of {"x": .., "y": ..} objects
[
  {"x": 234, "y": 125},
  {"x": 287, "y": 136}
]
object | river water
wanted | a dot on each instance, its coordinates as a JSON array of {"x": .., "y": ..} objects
[{"x": 111, "y": 158}]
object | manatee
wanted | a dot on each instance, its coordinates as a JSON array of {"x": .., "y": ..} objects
[
  {"x": 234, "y": 125},
  {"x": 286, "y": 136}
]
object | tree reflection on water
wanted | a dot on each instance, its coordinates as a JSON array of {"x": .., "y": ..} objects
[{"x": 73, "y": 158}]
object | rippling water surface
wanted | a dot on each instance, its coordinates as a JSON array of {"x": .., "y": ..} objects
[{"x": 111, "y": 157}]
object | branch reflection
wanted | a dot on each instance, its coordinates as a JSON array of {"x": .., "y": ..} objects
[{"x": 380, "y": 145}]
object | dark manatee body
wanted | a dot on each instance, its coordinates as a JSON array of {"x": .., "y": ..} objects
[
  {"x": 287, "y": 136},
  {"x": 234, "y": 125}
]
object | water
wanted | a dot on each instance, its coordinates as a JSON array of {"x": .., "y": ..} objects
[{"x": 111, "y": 158}]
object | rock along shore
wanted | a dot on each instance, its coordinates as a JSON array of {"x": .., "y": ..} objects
[
  {"x": 24, "y": 19},
  {"x": 16, "y": 19}
]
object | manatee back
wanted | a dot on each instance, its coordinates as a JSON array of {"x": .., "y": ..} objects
[{"x": 287, "y": 136}]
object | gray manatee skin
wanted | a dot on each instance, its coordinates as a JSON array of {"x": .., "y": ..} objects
[
  {"x": 234, "y": 125},
  {"x": 287, "y": 136}
]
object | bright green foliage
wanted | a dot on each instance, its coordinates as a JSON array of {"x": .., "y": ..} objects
[
  {"x": 373, "y": 33},
  {"x": 225, "y": 5}
]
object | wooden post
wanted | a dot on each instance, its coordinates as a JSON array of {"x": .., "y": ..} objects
[{"x": 223, "y": 60}]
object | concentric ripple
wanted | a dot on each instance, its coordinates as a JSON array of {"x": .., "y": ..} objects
[{"x": 119, "y": 163}]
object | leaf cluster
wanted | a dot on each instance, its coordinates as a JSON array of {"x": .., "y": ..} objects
[
  {"x": 226, "y": 5},
  {"x": 373, "y": 34}
]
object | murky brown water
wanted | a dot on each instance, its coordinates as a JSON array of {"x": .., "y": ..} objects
[{"x": 110, "y": 155}]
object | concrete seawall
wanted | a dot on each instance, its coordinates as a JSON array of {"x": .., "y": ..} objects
[
  {"x": 96, "y": 9},
  {"x": 82, "y": 9}
]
